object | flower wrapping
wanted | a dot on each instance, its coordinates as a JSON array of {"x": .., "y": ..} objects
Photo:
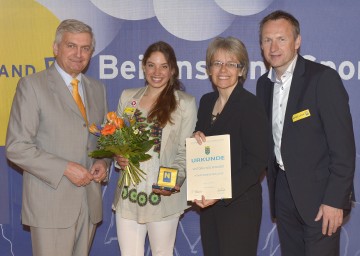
[{"x": 126, "y": 137}]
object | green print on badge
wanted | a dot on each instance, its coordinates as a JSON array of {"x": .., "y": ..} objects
[
  {"x": 125, "y": 193},
  {"x": 142, "y": 198},
  {"x": 133, "y": 195},
  {"x": 154, "y": 199}
]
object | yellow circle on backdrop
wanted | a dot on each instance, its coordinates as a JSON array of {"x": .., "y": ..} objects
[{"x": 27, "y": 31}]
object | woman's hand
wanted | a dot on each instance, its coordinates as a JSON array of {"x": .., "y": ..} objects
[
  {"x": 122, "y": 161},
  {"x": 164, "y": 192},
  {"x": 199, "y": 136},
  {"x": 203, "y": 203}
]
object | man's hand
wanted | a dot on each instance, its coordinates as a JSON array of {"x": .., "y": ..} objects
[
  {"x": 99, "y": 170},
  {"x": 332, "y": 219},
  {"x": 78, "y": 174}
]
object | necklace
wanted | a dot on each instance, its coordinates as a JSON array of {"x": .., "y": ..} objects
[{"x": 214, "y": 118}]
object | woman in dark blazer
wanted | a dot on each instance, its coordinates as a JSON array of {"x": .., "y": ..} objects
[{"x": 231, "y": 226}]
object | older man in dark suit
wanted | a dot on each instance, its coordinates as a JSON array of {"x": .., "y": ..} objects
[{"x": 311, "y": 169}]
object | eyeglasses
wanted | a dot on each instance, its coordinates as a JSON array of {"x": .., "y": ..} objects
[{"x": 229, "y": 65}]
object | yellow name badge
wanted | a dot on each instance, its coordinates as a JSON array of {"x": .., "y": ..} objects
[
  {"x": 301, "y": 115},
  {"x": 129, "y": 111}
]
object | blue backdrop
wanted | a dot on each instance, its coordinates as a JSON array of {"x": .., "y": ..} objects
[{"x": 125, "y": 28}]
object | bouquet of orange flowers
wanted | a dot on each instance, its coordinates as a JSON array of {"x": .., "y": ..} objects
[{"x": 123, "y": 136}]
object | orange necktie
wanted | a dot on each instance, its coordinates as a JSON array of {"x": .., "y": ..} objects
[{"x": 77, "y": 98}]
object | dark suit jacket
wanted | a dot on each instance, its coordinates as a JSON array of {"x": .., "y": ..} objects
[
  {"x": 244, "y": 118},
  {"x": 318, "y": 151}
]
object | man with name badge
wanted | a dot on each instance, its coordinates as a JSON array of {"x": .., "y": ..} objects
[{"x": 311, "y": 167}]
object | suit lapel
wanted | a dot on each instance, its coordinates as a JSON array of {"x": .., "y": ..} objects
[
  {"x": 208, "y": 128},
  {"x": 228, "y": 111},
  {"x": 139, "y": 95},
  {"x": 269, "y": 87},
  {"x": 90, "y": 107},
  {"x": 132, "y": 99},
  {"x": 58, "y": 86},
  {"x": 295, "y": 94},
  {"x": 176, "y": 117}
]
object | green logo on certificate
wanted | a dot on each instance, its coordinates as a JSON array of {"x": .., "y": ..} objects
[{"x": 207, "y": 150}]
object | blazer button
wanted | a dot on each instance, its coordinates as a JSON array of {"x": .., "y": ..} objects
[{"x": 84, "y": 125}]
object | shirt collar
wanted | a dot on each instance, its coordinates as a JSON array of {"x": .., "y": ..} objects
[
  {"x": 289, "y": 70},
  {"x": 65, "y": 76}
]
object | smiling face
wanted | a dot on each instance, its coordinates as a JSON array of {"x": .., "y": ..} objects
[
  {"x": 73, "y": 53},
  {"x": 279, "y": 44},
  {"x": 157, "y": 71},
  {"x": 224, "y": 77}
]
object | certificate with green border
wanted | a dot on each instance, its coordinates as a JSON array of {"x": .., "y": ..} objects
[{"x": 208, "y": 168}]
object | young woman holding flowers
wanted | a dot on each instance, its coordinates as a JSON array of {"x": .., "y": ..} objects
[{"x": 171, "y": 115}]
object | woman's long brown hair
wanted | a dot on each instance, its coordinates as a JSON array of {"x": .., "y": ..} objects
[{"x": 166, "y": 102}]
